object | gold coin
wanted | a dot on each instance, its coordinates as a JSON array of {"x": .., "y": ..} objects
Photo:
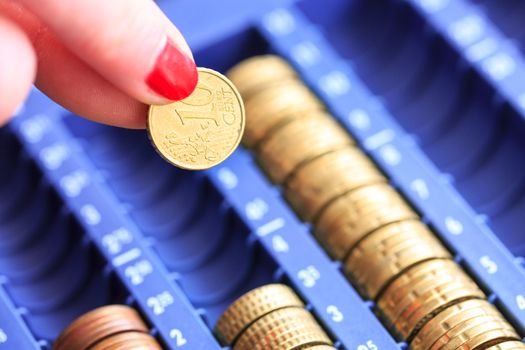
[
  {"x": 352, "y": 216},
  {"x": 284, "y": 329},
  {"x": 252, "y": 306},
  {"x": 381, "y": 256},
  {"x": 259, "y": 72},
  {"x": 448, "y": 319},
  {"x": 475, "y": 333},
  {"x": 98, "y": 324},
  {"x": 319, "y": 347},
  {"x": 128, "y": 341},
  {"x": 315, "y": 184},
  {"x": 270, "y": 108},
  {"x": 299, "y": 141},
  {"x": 422, "y": 292},
  {"x": 508, "y": 345},
  {"x": 202, "y": 130}
]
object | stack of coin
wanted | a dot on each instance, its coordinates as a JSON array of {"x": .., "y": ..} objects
[
  {"x": 471, "y": 324},
  {"x": 296, "y": 143},
  {"x": 271, "y": 317},
  {"x": 508, "y": 345},
  {"x": 273, "y": 95},
  {"x": 351, "y": 217},
  {"x": 381, "y": 257},
  {"x": 424, "y": 291},
  {"x": 112, "y": 327},
  {"x": 387, "y": 252}
]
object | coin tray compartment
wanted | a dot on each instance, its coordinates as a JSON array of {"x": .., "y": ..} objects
[
  {"x": 436, "y": 98},
  {"x": 393, "y": 60},
  {"x": 49, "y": 271},
  {"x": 181, "y": 215}
]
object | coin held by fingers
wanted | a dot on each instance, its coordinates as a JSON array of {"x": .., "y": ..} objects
[{"x": 201, "y": 130}]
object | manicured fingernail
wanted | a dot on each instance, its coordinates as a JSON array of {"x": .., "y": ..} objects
[{"x": 174, "y": 75}]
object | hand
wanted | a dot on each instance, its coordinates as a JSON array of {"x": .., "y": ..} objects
[{"x": 102, "y": 59}]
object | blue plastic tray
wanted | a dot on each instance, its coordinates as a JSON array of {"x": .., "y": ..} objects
[{"x": 432, "y": 90}]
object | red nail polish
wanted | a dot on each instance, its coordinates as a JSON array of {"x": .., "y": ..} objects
[{"x": 174, "y": 75}]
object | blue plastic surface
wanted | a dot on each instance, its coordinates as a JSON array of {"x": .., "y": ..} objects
[{"x": 432, "y": 90}]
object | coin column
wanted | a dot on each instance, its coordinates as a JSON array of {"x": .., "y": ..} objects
[
  {"x": 270, "y": 317},
  {"x": 112, "y": 327},
  {"x": 389, "y": 255}
]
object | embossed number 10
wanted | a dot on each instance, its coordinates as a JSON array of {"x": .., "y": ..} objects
[{"x": 201, "y": 97}]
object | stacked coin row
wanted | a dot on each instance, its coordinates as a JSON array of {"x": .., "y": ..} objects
[
  {"x": 271, "y": 317},
  {"x": 113, "y": 327},
  {"x": 390, "y": 256}
]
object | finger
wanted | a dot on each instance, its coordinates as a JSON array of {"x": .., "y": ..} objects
[
  {"x": 129, "y": 42},
  {"x": 71, "y": 82},
  {"x": 17, "y": 68}
]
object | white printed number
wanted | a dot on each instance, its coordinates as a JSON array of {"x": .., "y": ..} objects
[
  {"x": 160, "y": 302},
  {"x": 520, "y": 300},
  {"x": 137, "y": 272},
  {"x": 228, "y": 178},
  {"x": 335, "y": 313},
  {"x": 309, "y": 276},
  {"x": 256, "y": 209},
  {"x": 3, "y": 336},
  {"x": 489, "y": 264},
  {"x": 453, "y": 226},
  {"x": 279, "y": 244},
  {"x": 115, "y": 240},
  {"x": 368, "y": 346},
  {"x": 420, "y": 187},
  {"x": 178, "y": 336},
  {"x": 74, "y": 183},
  {"x": 53, "y": 156}
]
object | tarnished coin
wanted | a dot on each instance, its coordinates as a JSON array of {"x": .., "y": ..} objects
[
  {"x": 128, "y": 341},
  {"x": 315, "y": 184},
  {"x": 98, "y": 324},
  {"x": 260, "y": 72},
  {"x": 380, "y": 257},
  {"x": 252, "y": 306},
  {"x": 352, "y": 216},
  {"x": 299, "y": 141},
  {"x": 422, "y": 292},
  {"x": 508, "y": 345},
  {"x": 203, "y": 129},
  {"x": 284, "y": 329}
]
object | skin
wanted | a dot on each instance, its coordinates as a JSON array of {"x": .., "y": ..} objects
[{"x": 79, "y": 53}]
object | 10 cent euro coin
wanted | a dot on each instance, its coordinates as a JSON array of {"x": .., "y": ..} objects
[{"x": 202, "y": 130}]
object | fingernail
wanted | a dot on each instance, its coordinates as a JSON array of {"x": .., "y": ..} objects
[{"x": 174, "y": 75}]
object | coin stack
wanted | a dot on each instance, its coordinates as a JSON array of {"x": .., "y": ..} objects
[
  {"x": 112, "y": 327},
  {"x": 271, "y": 317},
  {"x": 389, "y": 255}
]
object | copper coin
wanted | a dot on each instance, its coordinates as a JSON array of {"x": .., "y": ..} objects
[
  {"x": 128, "y": 341},
  {"x": 383, "y": 255},
  {"x": 252, "y": 306},
  {"x": 315, "y": 184},
  {"x": 259, "y": 72},
  {"x": 351, "y": 217},
  {"x": 298, "y": 142},
  {"x": 98, "y": 324},
  {"x": 423, "y": 291},
  {"x": 284, "y": 329}
]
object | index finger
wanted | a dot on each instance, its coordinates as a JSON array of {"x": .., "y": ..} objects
[{"x": 129, "y": 42}]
